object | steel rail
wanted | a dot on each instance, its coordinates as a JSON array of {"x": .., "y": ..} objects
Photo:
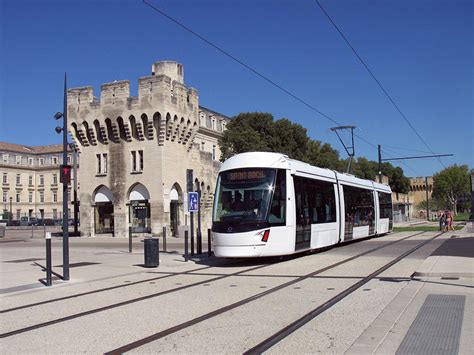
[
  {"x": 289, "y": 329},
  {"x": 219, "y": 311}
]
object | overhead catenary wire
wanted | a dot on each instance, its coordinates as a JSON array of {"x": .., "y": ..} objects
[
  {"x": 256, "y": 72},
  {"x": 377, "y": 81}
]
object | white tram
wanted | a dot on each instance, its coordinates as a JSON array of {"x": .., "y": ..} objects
[{"x": 267, "y": 204}]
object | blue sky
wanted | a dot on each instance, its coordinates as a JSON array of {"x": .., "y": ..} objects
[{"x": 421, "y": 51}]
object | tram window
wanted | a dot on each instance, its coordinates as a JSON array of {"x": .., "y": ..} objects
[
  {"x": 323, "y": 202},
  {"x": 385, "y": 205},
  {"x": 359, "y": 206},
  {"x": 277, "y": 214},
  {"x": 315, "y": 201}
]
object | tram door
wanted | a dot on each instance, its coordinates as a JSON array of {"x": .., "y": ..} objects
[{"x": 303, "y": 220}]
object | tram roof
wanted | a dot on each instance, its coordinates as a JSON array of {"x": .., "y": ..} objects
[{"x": 281, "y": 161}]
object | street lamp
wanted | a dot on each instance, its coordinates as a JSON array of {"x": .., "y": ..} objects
[{"x": 65, "y": 181}]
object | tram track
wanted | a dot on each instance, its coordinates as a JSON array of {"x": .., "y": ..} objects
[
  {"x": 177, "y": 289},
  {"x": 292, "y": 327},
  {"x": 212, "y": 314}
]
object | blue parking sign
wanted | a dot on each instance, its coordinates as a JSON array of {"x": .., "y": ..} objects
[{"x": 193, "y": 204}]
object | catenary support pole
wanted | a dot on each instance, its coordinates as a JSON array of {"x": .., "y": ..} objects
[
  {"x": 199, "y": 235},
  {"x": 76, "y": 202},
  {"x": 427, "y": 202},
  {"x": 380, "y": 164},
  {"x": 65, "y": 190}
]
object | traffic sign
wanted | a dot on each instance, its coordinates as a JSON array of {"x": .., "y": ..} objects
[{"x": 193, "y": 202}]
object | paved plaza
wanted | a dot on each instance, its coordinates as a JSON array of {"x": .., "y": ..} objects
[{"x": 113, "y": 304}]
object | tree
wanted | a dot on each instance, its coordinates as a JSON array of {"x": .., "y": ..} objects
[
  {"x": 247, "y": 132},
  {"x": 290, "y": 139},
  {"x": 322, "y": 155},
  {"x": 450, "y": 184}
]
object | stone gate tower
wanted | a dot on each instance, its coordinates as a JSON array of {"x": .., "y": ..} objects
[{"x": 135, "y": 152}]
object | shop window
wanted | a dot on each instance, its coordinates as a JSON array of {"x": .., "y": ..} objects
[{"x": 140, "y": 216}]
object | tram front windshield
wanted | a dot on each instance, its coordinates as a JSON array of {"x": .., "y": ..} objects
[{"x": 243, "y": 195}]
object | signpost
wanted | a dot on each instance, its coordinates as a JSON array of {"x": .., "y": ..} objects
[{"x": 193, "y": 202}]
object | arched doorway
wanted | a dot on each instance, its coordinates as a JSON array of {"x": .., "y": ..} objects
[
  {"x": 103, "y": 211},
  {"x": 176, "y": 196},
  {"x": 139, "y": 211}
]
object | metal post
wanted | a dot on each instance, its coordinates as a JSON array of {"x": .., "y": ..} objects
[
  {"x": 186, "y": 255},
  {"x": 164, "y": 239},
  {"x": 192, "y": 233},
  {"x": 76, "y": 203},
  {"x": 472, "y": 192},
  {"x": 380, "y": 164},
  {"x": 10, "y": 215},
  {"x": 129, "y": 239},
  {"x": 65, "y": 190},
  {"x": 49, "y": 281},
  {"x": 208, "y": 242},
  {"x": 427, "y": 206},
  {"x": 199, "y": 235}
]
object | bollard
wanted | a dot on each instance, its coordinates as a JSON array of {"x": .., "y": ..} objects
[
  {"x": 129, "y": 239},
  {"x": 49, "y": 280},
  {"x": 209, "y": 242},
  {"x": 199, "y": 242},
  {"x": 164, "y": 239},
  {"x": 186, "y": 255}
]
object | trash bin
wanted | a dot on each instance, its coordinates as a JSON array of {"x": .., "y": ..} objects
[
  {"x": 152, "y": 252},
  {"x": 2, "y": 229}
]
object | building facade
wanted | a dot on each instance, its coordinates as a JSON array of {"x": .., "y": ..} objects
[
  {"x": 419, "y": 188},
  {"x": 30, "y": 182},
  {"x": 135, "y": 153}
]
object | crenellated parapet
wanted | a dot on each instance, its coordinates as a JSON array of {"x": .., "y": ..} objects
[{"x": 165, "y": 110}]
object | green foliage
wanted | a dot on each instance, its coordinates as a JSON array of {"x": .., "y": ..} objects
[
  {"x": 450, "y": 184},
  {"x": 258, "y": 132},
  {"x": 461, "y": 217},
  {"x": 433, "y": 204},
  {"x": 323, "y": 155},
  {"x": 248, "y": 132}
]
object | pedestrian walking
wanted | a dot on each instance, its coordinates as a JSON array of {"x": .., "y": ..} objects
[
  {"x": 442, "y": 222},
  {"x": 450, "y": 221}
]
